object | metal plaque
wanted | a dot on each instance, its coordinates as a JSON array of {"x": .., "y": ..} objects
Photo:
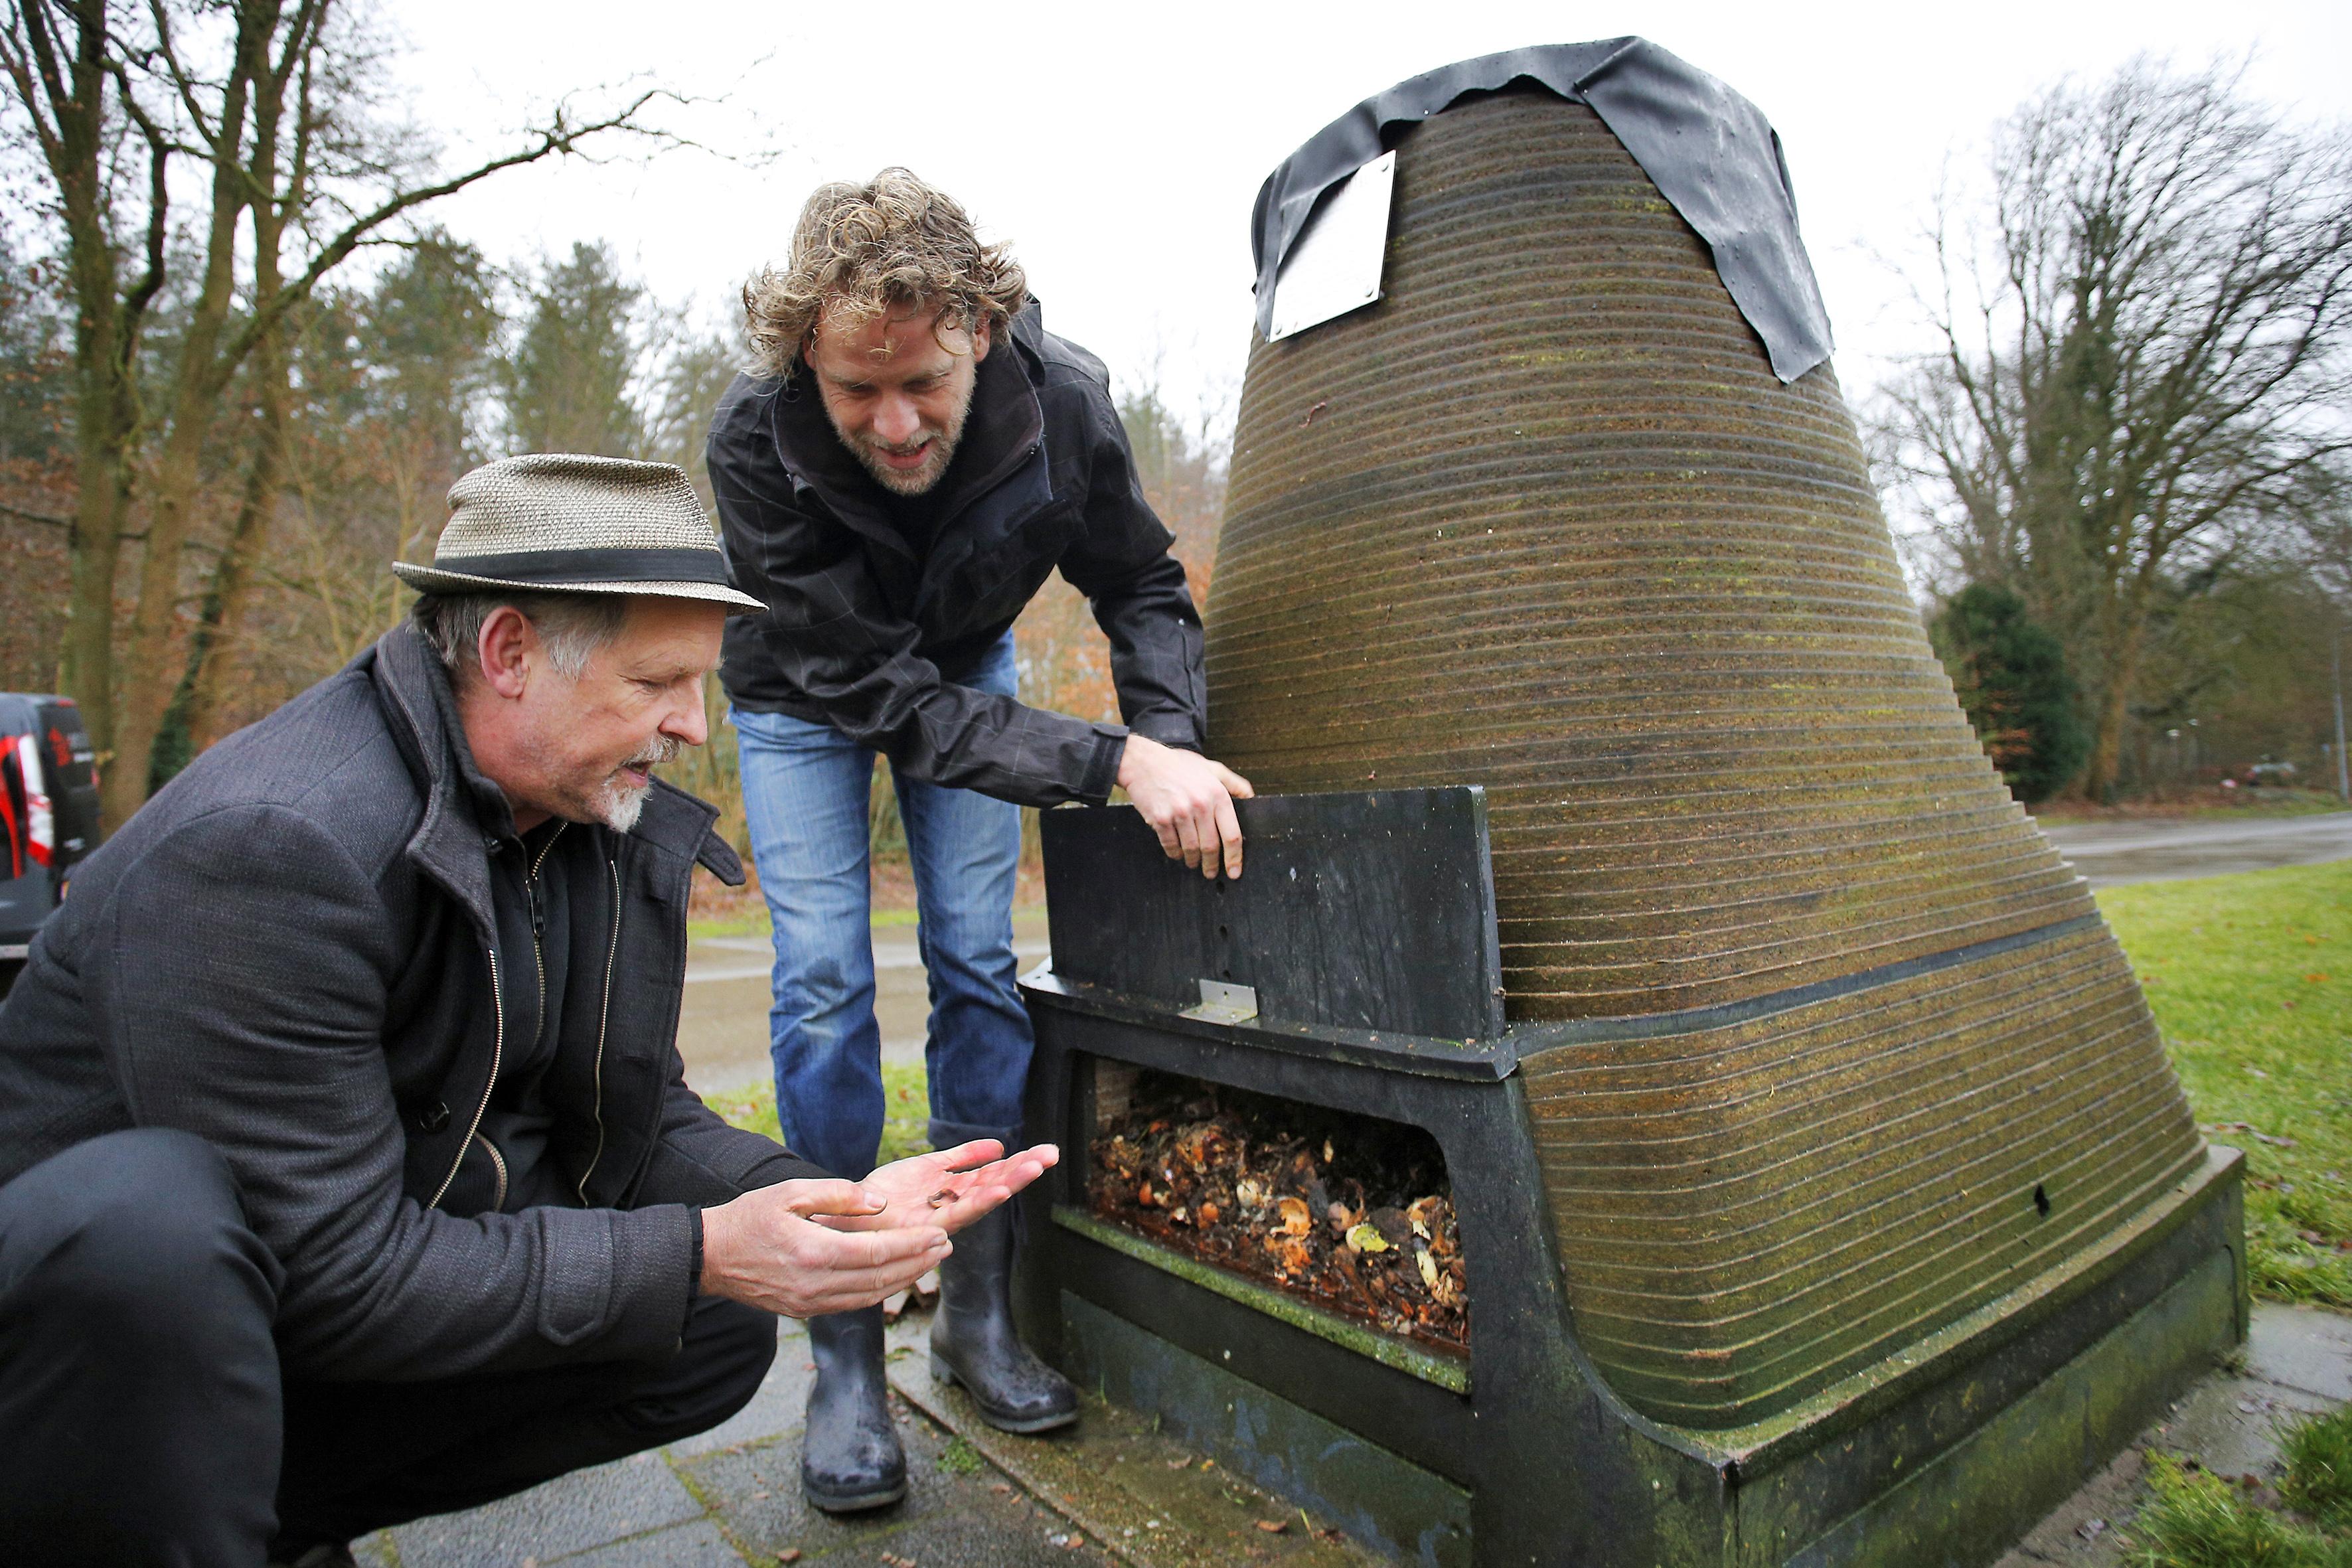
[{"x": 1334, "y": 267}]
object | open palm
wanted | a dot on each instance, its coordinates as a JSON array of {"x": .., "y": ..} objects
[{"x": 949, "y": 1187}]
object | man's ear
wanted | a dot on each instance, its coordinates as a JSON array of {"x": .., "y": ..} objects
[
  {"x": 980, "y": 339},
  {"x": 506, "y": 652}
]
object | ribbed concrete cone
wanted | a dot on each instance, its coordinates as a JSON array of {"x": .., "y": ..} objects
[{"x": 1543, "y": 520}]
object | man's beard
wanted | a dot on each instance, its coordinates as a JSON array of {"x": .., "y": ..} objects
[
  {"x": 911, "y": 481},
  {"x": 617, "y": 802}
]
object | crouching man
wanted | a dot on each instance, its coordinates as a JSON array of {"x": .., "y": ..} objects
[{"x": 350, "y": 1170}]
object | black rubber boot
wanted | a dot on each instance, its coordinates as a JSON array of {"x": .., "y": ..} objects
[
  {"x": 850, "y": 1458},
  {"x": 973, "y": 1341}
]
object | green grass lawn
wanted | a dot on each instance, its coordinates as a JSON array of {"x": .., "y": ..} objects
[
  {"x": 2251, "y": 979},
  {"x": 754, "y": 922}
]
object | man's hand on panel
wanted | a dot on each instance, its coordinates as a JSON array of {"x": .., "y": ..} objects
[{"x": 1189, "y": 802}]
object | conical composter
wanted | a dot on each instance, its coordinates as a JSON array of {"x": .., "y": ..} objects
[{"x": 1827, "y": 1051}]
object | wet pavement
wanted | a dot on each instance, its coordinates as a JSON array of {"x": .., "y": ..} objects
[
  {"x": 1108, "y": 1491},
  {"x": 1111, "y": 1491},
  {"x": 2162, "y": 849},
  {"x": 2297, "y": 1362}
]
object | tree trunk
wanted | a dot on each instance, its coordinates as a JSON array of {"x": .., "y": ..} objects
[
  {"x": 154, "y": 664},
  {"x": 219, "y": 637},
  {"x": 215, "y": 653},
  {"x": 63, "y": 82},
  {"x": 2122, "y": 673},
  {"x": 105, "y": 418}
]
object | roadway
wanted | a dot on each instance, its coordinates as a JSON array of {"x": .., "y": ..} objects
[{"x": 2164, "y": 849}]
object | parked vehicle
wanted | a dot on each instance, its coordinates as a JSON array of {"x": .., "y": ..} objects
[{"x": 48, "y": 815}]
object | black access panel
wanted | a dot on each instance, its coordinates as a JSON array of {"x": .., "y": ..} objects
[
  {"x": 1353, "y": 967},
  {"x": 1362, "y": 911}
]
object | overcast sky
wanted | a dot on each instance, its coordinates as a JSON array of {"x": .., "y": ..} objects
[{"x": 1119, "y": 148}]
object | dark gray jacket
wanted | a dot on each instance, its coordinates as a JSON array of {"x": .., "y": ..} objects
[
  {"x": 289, "y": 952},
  {"x": 868, "y": 632}
]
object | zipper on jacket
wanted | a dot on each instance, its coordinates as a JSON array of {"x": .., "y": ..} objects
[
  {"x": 498, "y": 1203},
  {"x": 538, "y": 928},
  {"x": 497, "y": 1050},
  {"x": 604, "y": 1017}
]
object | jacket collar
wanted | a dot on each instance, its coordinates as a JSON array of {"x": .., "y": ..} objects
[
  {"x": 1000, "y": 435},
  {"x": 448, "y": 844}
]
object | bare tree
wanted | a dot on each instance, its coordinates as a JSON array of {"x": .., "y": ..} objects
[
  {"x": 113, "y": 98},
  {"x": 2144, "y": 335}
]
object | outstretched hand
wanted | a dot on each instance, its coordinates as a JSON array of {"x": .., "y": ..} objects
[
  {"x": 782, "y": 1250},
  {"x": 950, "y": 1188}
]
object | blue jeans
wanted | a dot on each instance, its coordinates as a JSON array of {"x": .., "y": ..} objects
[{"x": 806, "y": 790}]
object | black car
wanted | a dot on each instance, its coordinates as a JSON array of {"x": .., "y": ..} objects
[{"x": 48, "y": 815}]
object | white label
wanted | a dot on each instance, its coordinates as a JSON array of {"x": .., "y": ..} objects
[{"x": 1334, "y": 266}]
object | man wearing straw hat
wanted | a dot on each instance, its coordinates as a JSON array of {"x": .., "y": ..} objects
[
  {"x": 348, "y": 1171},
  {"x": 911, "y": 458}
]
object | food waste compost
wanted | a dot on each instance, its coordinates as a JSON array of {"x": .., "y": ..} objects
[{"x": 1353, "y": 1214}]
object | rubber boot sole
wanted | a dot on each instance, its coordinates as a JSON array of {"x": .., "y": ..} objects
[
  {"x": 853, "y": 1502},
  {"x": 942, "y": 1372}
]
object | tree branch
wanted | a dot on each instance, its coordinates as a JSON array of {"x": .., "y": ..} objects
[{"x": 555, "y": 139}]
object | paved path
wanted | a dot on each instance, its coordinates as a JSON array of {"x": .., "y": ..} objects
[
  {"x": 1113, "y": 1491},
  {"x": 732, "y": 1496},
  {"x": 2161, "y": 850},
  {"x": 2298, "y": 1361}
]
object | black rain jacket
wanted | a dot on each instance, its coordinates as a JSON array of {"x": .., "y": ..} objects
[
  {"x": 866, "y": 635},
  {"x": 290, "y": 951}
]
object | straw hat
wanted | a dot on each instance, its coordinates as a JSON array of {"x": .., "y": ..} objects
[{"x": 557, "y": 522}]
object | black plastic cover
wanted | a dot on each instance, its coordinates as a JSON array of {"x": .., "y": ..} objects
[{"x": 1710, "y": 152}]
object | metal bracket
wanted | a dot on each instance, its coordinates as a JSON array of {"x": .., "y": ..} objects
[{"x": 1223, "y": 1003}]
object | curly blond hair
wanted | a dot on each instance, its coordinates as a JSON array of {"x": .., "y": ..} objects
[{"x": 891, "y": 244}]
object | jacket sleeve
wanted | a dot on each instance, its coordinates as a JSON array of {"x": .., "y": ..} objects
[
  {"x": 1122, "y": 565},
  {"x": 268, "y": 1043},
  {"x": 828, "y": 630},
  {"x": 701, "y": 1159}
]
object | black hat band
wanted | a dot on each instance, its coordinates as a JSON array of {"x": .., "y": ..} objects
[{"x": 553, "y": 568}]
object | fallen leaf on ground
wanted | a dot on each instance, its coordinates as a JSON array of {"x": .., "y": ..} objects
[{"x": 1273, "y": 1526}]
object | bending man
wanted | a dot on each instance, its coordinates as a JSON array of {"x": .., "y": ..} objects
[{"x": 912, "y": 457}]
